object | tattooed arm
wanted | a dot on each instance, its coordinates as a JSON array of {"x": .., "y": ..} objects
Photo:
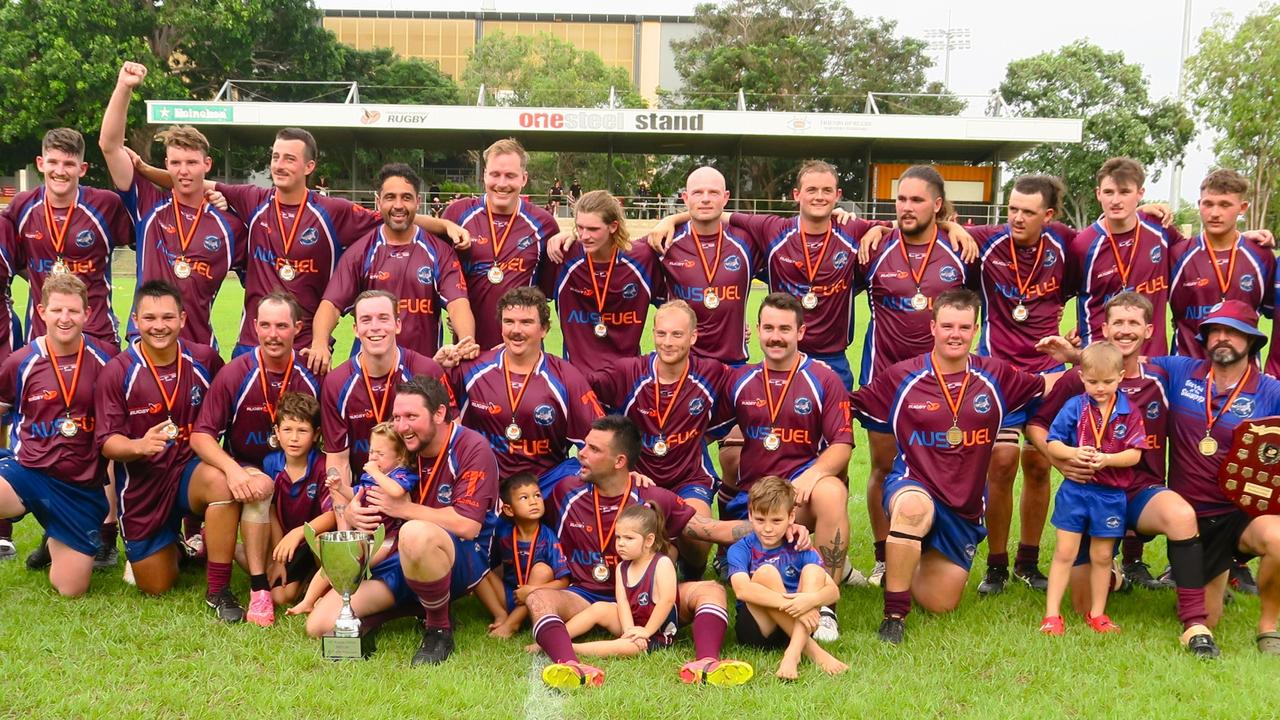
[{"x": 728, "y": 532}]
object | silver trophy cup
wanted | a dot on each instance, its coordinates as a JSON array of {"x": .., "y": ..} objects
[{"x": 345, "y": 556}]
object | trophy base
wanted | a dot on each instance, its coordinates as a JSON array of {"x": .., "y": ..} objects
[{"x": 336, "y": 648}]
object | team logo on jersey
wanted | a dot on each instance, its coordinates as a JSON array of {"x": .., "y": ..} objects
[
  {"x": 970, "y": 550},
  {"x": 948, "y": 273},
  {"x": 803, "y": 406},
  {"x": 212, "y": 243},
  {"x": 1246, "y": 283},
  {"x": 1153, "y": 410},
  {"x": 1242, "y": 407},
  {"x": 426, "y": 275},
  {"x": 310, "y": 236},
  {"x": 1112, "y": 521},
  {"x": 642, "y": 599},
  {"x": 444, "y": 495},
  {"x": 524, "y": 242},
  {"x": 1050, "y": 257},
  {"x": 732, "y": 263},
  {"x": 1119, "y": 431},
  {"x": 790, "y": 571},
  {"x": 84, "y": 239},
  {"x": 313, "y": 489},
  {"x": 840, "y": 259},
  {"x": 196, "y": 396},
  {"x": 544, "y": 415},
  {"x": 1156, "y": 254},
  {"x": 982, "y": 403},
  {"x": 629, "y": 291},
  {"x": 696, "y": 406}
]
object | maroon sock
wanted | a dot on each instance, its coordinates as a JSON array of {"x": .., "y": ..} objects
[
  {"x": 434, "y": 596},
  {"x": 709, "y": 623},
  {"x": 550, "y": 634},
  {"x": 6, "y": 529},
  {"x": 1191, "y": 609},
  {"x": 998, "y": 560},
  {"x": 879, "y": 550},
  {"x": 107, "y": 533},
  {"x": 217, "y": 576},
  {"x": 897, "y": 603},
  {"x": 1131, "y": 549},
  {"x": 1028, "y": 556}
]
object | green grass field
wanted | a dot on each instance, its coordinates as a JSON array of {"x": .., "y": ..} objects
[{"x": 116, "y": 653}]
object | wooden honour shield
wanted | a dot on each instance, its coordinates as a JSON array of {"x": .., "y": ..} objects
[{"x": 1250, "y": 474}]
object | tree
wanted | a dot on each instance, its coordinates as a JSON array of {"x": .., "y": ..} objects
[
  {"x": 797, "y": 56},
  {"x": 544, "y": 71},
  {"x": 1234, "y": 81},
  {"x": 1081, "y": 80}
]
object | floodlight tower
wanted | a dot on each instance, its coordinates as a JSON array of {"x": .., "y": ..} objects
[{"x": 945, "y": 40}]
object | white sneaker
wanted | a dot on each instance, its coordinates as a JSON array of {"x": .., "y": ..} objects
[
  {"x": 8, "y": 550},
  {"x": 128, "y": 573},
  {"x": 828, "y": 631},
  {"x": 852, "y": 577},
  {"x": 877, "y": 574}
]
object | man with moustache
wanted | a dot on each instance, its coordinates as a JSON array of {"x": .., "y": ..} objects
[
  {"x": 400, "y": 258},
  {"x": 240, "y": 411},
  {"x": 1152, "y": 509},
  {"x": 678, "y": 402},
  {"x": 148, "y": 399},
  {"x": 444, "y": 544},
  {"x": 944, "y": 408}
]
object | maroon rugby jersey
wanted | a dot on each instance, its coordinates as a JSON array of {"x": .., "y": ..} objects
[
  {"x": 316, "y": 234},
  {"x": 732, "y": 260},
  {"x": 464, "y": 476},
  {"x": 1038, "y": 282},
  {"x": 1080, "y": 423},
  {"x": 523, "y": 237},
  {"x": 554, "y": 414},
  {"x": 1110, "y": 264},
  {"x": 237, "y": 408},
  {"x": 298, "y": 501},
  {"x": 98, "y": 224},
  {"x": 347, "y": 411},
  {"x": 690, "y": 411},
  {"x": 10, "y": 259},
  {"x": 572, "y": 511},
  {"x": 423, "y": 275},
  {"x": 215, "y": 244},
  {"x": 812, "y": 414},
  {"x": 28, "y": 386},
  {"x": 129, "y": 403},
  {"x": 1146, "y": 394},
  {"x": 788, "y": 257},
  {"x": 1195, "y": 288},
  {"x": 908, "y": 398},
  {"x": 629, "y": 284}
]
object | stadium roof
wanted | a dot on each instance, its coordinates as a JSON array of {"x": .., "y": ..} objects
[{"x": 709, "y": 132}]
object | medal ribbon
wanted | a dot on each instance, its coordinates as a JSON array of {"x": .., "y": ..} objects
[
  {"x": 811, "y": 268},
  {"x": 184, "y": 238},
  {"x": 942, "y": 385},
  {"x": 1210, "y": 418},
  {"x": 657, "y": 395},
  {"x": 424, "y": 488},
  {"x": 1124, "y": 267},
  {"x": 515, "y": 551},
  {"x": 606, "y": 539},
  {"x": 379, "y": 408},
  {"x": 493, "y": 229},
  {"x": 67, "y": 395},
  {"x": 1223, "y": 281},
  {"x": 1100, "y": 431},
  {"x": 591, "y": 271},
  {"x": 287, "y": 238},
  {"x": 169, "y": 399},
  {"x": 709, "y": 271},
  {"x": 528, "y": 380},
  {"x": 917, "y": 277},
  {"x": 768, "y": 395},
  {"x": 266, "y": 386},
  {"x": 1017, "y": 276},
  {"x": 58, "y": 236}
]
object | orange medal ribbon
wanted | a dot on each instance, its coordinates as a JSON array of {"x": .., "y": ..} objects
[
  {"x": 266, "y": 386},
  {"x": 1223, "y": 280},
  {"x": 59, "y": 234},
  {"x": 67, "y": 394},
  {"x": 184, "y": 238},
  {"x": 1100, "y": 431},
  {"x": 768, "y": 395},
  {"x": 424, "y": 488},
  {"x": 708, "y": 270},
  {"x": 606, "y": 539},
  {"x": 169, "y": 399},
  {"x": 379, "y": 408}
]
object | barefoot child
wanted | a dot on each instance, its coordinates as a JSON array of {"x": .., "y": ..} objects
[
  {"x": 387, "y": 470},
  {"x": 526, "y": 552},
  {"x": 1101, "y": 428},
  {"x": 779, "y": 589}
]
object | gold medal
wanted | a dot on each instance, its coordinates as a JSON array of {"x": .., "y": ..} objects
[
  {"x": 919, "y": 301},
  {"x": 600, "y": 572},
  {"x": 513, "y": 432},
  {"x": 660, "y": 447},
  {"x": 1208, "y": 446},
  {"x": 60, "y": 267},
  {"x": 182, "y": 268},
  {"x": 68, "y": 427},
  {"x": 772, "y": 442},
  {"x": 273, "y": 441},
  {"x": 809, "y": 301},
  {"x": 171, "y": 430},
  {"x": 710, "y": 300},
  {"x": 954, "y": 436},
  {"x": 1020, "y": 313},
  {"x": 287, "y": 272},
  {"x": 601, "y": 330},
  {"x": 495, "y": 274}
]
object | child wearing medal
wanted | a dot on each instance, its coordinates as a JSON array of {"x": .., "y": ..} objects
[
  {"x": 527, "y": 556},
  {"x": 1101, "y": 428}
]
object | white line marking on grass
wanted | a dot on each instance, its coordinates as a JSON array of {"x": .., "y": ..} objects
[{"x": 541, "y": 703}]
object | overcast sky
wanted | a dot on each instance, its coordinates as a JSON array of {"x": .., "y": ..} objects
[{"x": 1149, "y": 33}]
